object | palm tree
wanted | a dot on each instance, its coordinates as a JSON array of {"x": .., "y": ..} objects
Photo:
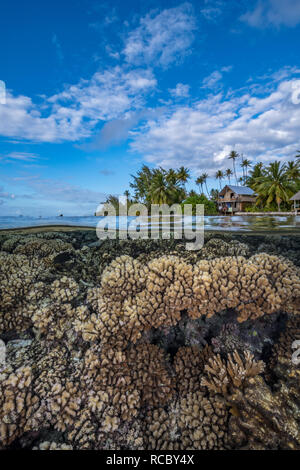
[
  {"x": 214, "y": 194},
  {"x": 183, "y": 174},
  {"x": 172, "y": 176},
  {"x": 274, "y": 185},
  {"x": 205, "y": 176},
  {"x": 159, "y": 190},
  {"x": 127, "y": 194},
  {"x": 141, "y": 184},
  {"x": 229, "y": 174},
  {"x": 257, "y": 172},
  {"x": 200, "y": 182},
  {"x": 233, "y": 156},
  {"x": 245, "y": 165},
  {"x": 220, "y": 176},
  {"x": 293, "y": 170},
  {"x": 298, "y": 154}
]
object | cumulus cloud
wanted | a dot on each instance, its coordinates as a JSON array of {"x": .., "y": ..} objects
[
  {"x": 274, "y": 13},
  {"x": 161, "y": 38},
  {"x": 73, "y": 114},
  {"x": 180, "y": 91},
  {"x": 201, "y": 135}
]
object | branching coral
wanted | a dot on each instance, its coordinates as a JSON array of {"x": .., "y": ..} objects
[
  {"x": 155, "y": 295},
  {"x": 45, "y": 249},
  {"x": 85, "y": 369},
  {"x": 54, "y": 315},
  {"x": 222, "y": 375},
  {"x": 260, "y": 419},
  {"x": 16, "y": 403},
  {"x": 189, "y": 363},
  {"x": 19, "y": 288}
]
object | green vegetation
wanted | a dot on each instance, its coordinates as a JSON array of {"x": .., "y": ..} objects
[
  {"x": 274, "y": 185},
  {"x": 209, "y": 206}
]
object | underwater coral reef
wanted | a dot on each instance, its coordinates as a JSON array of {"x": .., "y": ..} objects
[{"x": 144, "y": 345}]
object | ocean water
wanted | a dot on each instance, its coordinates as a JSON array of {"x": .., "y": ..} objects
[
  {"x": 74, "y": 326},
  {"x": 245, "y": 223}
]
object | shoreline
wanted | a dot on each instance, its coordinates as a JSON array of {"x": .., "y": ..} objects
[
  {"x": 78, "y": 228},
  {"x": 272, "y": 214}
]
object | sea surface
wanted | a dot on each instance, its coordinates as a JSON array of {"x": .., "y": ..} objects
[{"x": 247, "y": 223}]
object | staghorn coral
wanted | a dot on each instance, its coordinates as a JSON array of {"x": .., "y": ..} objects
[
  {"x": 221, "y": 375},
  {"x": 260, "y": 419}
]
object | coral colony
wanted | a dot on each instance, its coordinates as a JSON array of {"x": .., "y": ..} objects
[{"x": 143, "y": 345}]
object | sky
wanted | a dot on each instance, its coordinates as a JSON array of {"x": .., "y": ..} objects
[{"x": 92, "y": 90}]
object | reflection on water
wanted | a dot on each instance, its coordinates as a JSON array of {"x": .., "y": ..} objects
[{"x": 226, "y": 223}]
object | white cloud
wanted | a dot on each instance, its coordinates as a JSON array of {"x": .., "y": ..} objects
[
  {"x": 162, "y": 38},
  {"x": 201, "y": 135},
  {"x": 180, "y": 91},
  {"x": 274, "y": 13},
  {"x": 72, "y": 114},
  {"x": 212, "y": 9},
  {"x": 21, "y": 156},
  {"x": 214, "y": 80}
]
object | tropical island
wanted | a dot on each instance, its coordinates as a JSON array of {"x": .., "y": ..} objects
[{"x": 261, "y": 187}]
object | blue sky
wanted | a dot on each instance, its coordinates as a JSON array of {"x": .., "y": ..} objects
[{"x": 95, "y": 89}]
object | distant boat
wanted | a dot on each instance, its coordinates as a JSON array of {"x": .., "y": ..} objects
[{"x": 61, "y": 215}]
